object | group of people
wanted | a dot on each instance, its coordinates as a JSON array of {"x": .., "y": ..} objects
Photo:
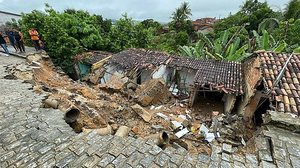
[{"x": 16, "y": 39}]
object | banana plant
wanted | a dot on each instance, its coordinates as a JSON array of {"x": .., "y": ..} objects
[
  {"x": 268, "y": 43},
  {"x": 219, "y": 49}
]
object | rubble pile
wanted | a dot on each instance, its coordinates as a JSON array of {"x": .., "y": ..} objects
[
  {"x": 116, "y": 107},
  {"x": 152, "y": 92}
]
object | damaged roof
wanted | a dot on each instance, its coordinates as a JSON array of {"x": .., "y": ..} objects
[
  {"x": 220, "y": 75},
  {"x": 287, "y": 93},
  {"x": 131, "y": 58},
  {"x": 92, "y": 57}
]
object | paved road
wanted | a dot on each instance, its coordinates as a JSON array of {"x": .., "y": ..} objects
[{"x": 31, "y": 136}]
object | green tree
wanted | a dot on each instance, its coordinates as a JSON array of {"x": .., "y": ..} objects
[
  {"x": 292, "y": 10},
  {"x": 252, "y": 12}
]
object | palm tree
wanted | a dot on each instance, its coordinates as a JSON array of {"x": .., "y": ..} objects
[{"x": 181, "y": 14}]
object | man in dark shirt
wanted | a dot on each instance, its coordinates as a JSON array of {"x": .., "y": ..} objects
[{"x": 3, "y": 44}]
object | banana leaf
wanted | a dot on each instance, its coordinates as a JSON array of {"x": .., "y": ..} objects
[{"x": 280, "y": 47}]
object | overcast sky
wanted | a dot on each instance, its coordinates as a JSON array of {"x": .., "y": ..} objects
[{"x": 160, "y": 10}]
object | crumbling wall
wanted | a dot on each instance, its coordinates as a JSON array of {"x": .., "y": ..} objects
[
  {"x": 109, "y": 71},
  {"x": 229, "y": 101},
  {"x": 162, "y": 72},
  {"x": 252, "y": 77},
  {"x": 146, "y": 75}
]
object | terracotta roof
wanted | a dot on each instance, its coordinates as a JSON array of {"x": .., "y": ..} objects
[
  {"x": 131, "y": 58},
  {"x": 287, "y": 93},
  {"x": 220, "y": 75},
  {"x": 183, "y": 62}
]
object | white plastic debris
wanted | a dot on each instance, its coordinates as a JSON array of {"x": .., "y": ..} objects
[
  {"x": 209, "y": 137},
  {"x": 176, "y": 124},
  {"x": 163, "y": 116},
  {"x": 159, "y": 107},
  {"x": 152, "y": 107},
  {"x": 243, "y": 142},
  {"x": 182, "y": 116},
  {"x": 181, "y": 133}
]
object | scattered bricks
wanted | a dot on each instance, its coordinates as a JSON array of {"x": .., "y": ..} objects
[
  {"x": 227, "y": 148},
  {"x": 105, "y": 160}
]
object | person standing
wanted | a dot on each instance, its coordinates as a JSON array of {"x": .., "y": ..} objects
[
  {"x": 19, "y": 40},
  {"x": 3, "y": 44},
  {"x": 12, "y": 40},
  {"x": 34, "y": 36}
]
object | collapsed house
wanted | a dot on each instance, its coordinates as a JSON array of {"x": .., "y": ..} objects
[
  {"x": 139, "y": 65},
  {"x": 87, "y": 62},
  {"x": 186, "y": 78},
  {"x": 271, "y": 86}
]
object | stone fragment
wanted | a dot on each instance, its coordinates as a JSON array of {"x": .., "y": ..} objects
[{"x": 142, "y": 112}]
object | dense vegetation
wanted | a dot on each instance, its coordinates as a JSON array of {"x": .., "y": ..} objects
[{"x": 255, "y": 26}]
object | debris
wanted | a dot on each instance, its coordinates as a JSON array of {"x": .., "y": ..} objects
[
  {"x": 114, "y": 127},
  {"x": 105, "y": 131},
  {"x": 153, "y": 91},
  {"x": 122, "y": 131},
  {"x": 161, "y": 139},
  {"x": 163, "y": 116},
  {"x": 142, "y": 112},
  {"x": 50, "y": 102},
  {"x": 181, "y": 133},
  {"x": 116, "y": 82},
  {"x": 209, "y": 137},
  {"x": 100, "y": 131},
  {"x": 157, "y": 127},
  {"x": 135, "y": 130},
  {"x": 176, "y": 125}
]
